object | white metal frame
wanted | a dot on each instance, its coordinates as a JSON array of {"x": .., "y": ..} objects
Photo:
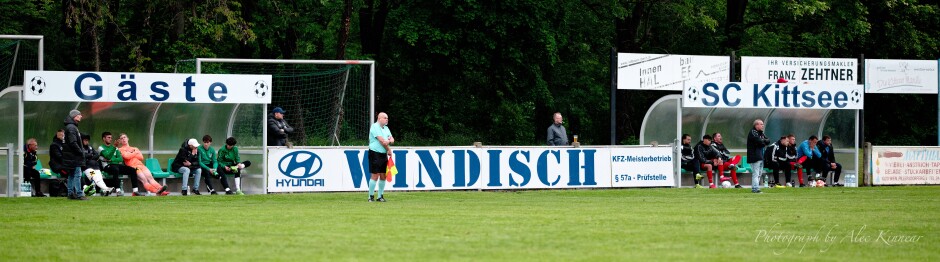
[
  {"x": 678, "y": 99},
  {"x": 20, "y": 105}
]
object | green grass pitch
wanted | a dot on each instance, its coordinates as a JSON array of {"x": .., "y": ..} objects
[{"x": 815, "y": 224}]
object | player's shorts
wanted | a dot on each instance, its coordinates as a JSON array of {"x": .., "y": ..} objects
[{"x": 377, "y": 162}]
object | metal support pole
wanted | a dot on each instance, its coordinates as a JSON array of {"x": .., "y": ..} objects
[
  {"x": 10, "y": 166},
  {"x": 16, "y": 52},
  {"x": 264, "y": 147},
  {"x": 613, "y": 96},
  {"x": 731, "y": 72}
]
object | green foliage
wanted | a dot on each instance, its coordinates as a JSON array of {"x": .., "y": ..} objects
[
  {"x": 539, "y": 225},
  {"x": 491, "y": 71}
]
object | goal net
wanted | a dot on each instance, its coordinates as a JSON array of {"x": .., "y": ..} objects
[
  {"x": 328, "y": 102},
  {"x": 16, "y": 56}
]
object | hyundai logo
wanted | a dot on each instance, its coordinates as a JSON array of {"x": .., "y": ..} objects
[{"x": 300, "y": 164}]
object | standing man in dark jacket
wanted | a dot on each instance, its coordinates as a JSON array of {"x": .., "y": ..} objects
[
  {"x": 278, "y": 129},
  {"x": 557, "y": 136},
  {"x": 29, "y": 166},
  {"x": 186, "y": 162},
  {"x": 73, "y": 156},
  {"x": 756, "y": 141}
]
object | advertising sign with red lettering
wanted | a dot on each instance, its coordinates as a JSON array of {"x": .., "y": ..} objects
[{"x": 900, "y": 165}]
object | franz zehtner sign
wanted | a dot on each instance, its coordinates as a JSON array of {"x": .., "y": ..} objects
[{"x": 757, "y": 69}]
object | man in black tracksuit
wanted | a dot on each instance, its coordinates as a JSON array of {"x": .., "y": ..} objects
[
  {"x": 706, "y": 154},
  {"x": 689, "y": 161},
  {"x": 775, "y": 158}
]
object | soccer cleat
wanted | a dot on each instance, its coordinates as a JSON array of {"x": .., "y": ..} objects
[
  {"x": 239, "y": 192},
  {"x": 381, "y": 199},
  {"x": 162, "y": 189},
  {"x": 119, "y": 192},
  {"x": 698, "y": 176},
  {"x": 137, "y": 194},
  {"x": 802, "y": 185},
  {"x": 164, "y": 193},
  {"x": 698, "y": 186},
  {"x": 712, "y": 186},
  {"x": 733, "y": 167},
  {"x": 229, "y": 192},
  {"x": 789, "y": 184},
  {"x": 212, "y": 192},
  {"x": 371, "y": 198},
  {"x": 737, "y": 186},
  {"x": 89, "y": 190},
  {"x": 82, "y": 198},
  {"x": 780, "y": 186},
  {"x": 196, "y": 192},
  {"x": 185, "y": 192},
  {"x": 756, "y": 191}
]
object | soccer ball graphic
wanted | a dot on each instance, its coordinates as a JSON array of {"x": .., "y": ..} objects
[
  {"x": 37, "y": 85},
  {"x": 820, "y": 183},
  {"x": 855, "y": 96},
  {"x": 262, "y": 88},
  {"x": 726, "y": 184},
  {"x": 693, "y": 94}
]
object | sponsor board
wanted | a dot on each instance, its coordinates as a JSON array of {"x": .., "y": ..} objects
[
  {"x": 68, "y": 86},
  {"x": 767, "y": 95},
  {"x": 642, "y": 167},
  {"x": 449, "y": 168},
  {"x": 669, "y": 72},
  {"x": 901, "y": 76},
  {"x": 757, "y": 69},
  {"x": 892, "y": 165}
]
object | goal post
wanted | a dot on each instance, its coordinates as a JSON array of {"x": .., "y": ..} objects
[
  {"x": 328, "y": 102},
  {"x": 18, "y": 53}
]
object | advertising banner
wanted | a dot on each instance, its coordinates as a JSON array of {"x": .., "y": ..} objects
[
  {"x": 757, "y": 69},
  {"x": 900, "y": 76},
  {"x": 767, "y": 95},
  {"x": 900, "y": 165},
  {"x": 642, "y": 167},
  {"x": 450, "y": 168},
  {"x": 67, "y": 86},
  {"x": 669, "y": 72}
]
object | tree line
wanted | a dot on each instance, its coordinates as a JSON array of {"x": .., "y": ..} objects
[{"x": 456, "y": 71}]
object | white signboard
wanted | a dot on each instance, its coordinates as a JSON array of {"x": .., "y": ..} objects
[
  {"x": 901, "y": 76},
  {"x": 641, "y": 167},
  {"x": 67, "y": 86},
  {"x": 767, "y": 95},
  {"x": 669, "y": 72},
  {"x": 449, "y": 168},
  {"x": 899, "y": 165},
  {"x": 756, "y": 69}
]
